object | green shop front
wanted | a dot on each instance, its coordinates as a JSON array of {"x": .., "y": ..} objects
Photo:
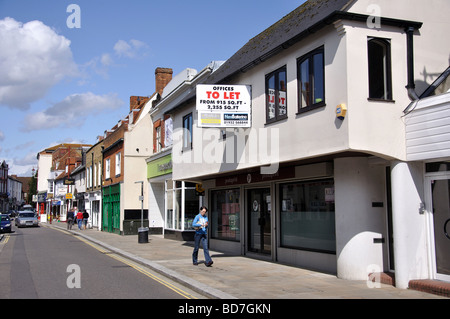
[
  {"x": 173, "y": 204},
  {"x": 111, "y": 209}
]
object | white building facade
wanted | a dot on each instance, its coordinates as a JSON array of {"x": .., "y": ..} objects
[{"x": 324, "y": 176}]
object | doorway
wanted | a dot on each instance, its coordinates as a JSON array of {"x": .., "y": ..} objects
[
  {"x": 438, "y": 202},
  {"x": 259, "y": 211}
]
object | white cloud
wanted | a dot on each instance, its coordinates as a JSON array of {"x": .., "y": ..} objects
[
  {"x": 132, "y": 49},
  {"x": 33, "y": 58},
  {"x": 71, "y": 112}
]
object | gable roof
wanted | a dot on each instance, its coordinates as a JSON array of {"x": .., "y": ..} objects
[{"x": 306, "y": 19}]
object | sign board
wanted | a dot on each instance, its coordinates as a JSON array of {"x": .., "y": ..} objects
[
  {"x": 69, "y": 181},
  {"x": 224, "y": 105}
]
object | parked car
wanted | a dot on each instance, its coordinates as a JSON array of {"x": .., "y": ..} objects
[
  {"x": 5, "y": 223},
  {"x": 26, "y": 218}
]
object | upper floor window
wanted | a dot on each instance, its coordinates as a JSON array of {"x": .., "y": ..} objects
[
  {"x": 380, "y": 81},
  {"x": 276, "y": 100},
  {"x": 118, "y": 164},
  {"x": 158, "y": 145},
  {"x": 107, "y": 168},
  {"x": 187, "y": 131},
  {"x": 311, "y": 80}
]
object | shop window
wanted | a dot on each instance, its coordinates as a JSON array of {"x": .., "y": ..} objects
[
  {"x": 276, "y": 99},
  {"x": 311, "y": 80},
  {"x": 380, "y": 81},
  {"x": 307, "y": 216},
  {"x": 225, "y": 214},
  {"x": 179, "y": 216}
]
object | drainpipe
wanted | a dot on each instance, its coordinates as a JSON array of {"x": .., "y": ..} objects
[{"x": 410, "y": 64}]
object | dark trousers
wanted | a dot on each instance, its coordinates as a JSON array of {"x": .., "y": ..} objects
[{"x": 204, "y": 240}]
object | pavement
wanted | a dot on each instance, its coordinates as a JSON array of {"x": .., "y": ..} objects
[{"x": 238, "y": 277}]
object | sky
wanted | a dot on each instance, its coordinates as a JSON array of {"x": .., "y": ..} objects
[{"x": 68, "y": 68}]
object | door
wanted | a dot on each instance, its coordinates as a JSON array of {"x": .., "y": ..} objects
[
  {"x": 259, "y": 221},
  {"x": 440, "y": 224}
]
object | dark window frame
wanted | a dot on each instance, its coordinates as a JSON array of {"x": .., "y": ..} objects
[
  {"x": 309, "y": 57},
  {"x": 187, "y": 146},
  {"x": 374, "y": 79},
  {"x": 276, "y": 74}
]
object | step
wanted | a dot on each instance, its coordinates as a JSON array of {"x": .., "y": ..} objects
[{"x": 436, "y": 287}]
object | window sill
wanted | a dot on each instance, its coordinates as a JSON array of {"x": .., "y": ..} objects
[
  {"x": 310, "y": 108},
  {"x": 371, "y": 99},
  {"x": 276, "y": 120}
]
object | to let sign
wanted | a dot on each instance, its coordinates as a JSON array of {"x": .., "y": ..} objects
[{"x": 224, "y": 105}]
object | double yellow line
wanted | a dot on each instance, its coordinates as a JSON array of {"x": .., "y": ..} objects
[
  {"x": 5, "y": 239},
  {"x": 136, "y": 267}
]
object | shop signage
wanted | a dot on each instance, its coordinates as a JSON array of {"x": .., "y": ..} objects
[
  {"x": 256, "y": 177},
  {"x": 69, "y": 196},
  {"x": 69, "y": 181},
  {"x": 199, "y": 190},
  {"x": 41, "y": 197},
  {"x": 160, "y": 166},
  {"x": 224, "y": 105}
]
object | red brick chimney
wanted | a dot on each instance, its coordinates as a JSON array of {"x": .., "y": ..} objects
[
  {"x": 137, "y": 101},
  {"x": 162, "y": 77}
]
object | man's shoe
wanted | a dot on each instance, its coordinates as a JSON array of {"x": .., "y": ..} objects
[
  {"x": 195, "y": 264},
  {"x": 209, "y": 264}
]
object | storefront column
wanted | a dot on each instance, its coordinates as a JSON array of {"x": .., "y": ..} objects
[{"x": 409, "y": 223}]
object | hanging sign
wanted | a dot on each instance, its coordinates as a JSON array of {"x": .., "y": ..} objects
[{"x": 224, "y": 105}]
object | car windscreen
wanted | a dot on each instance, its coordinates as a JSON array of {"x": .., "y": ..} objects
[
  {"x": 26, "y": 215},
  {"x": 5, "y": 218}
]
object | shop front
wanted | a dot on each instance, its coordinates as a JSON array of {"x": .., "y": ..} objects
[
  {"x": 173, "y": 204},
  {"x": 279, "y": 217}
]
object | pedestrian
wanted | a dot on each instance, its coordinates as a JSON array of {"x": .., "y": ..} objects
[
  {"x": 79, "y": 219},
  {"x": 200, "y": 225},
  {"x": 85, "y": 218},
  {"x": 70, "y": 218}
]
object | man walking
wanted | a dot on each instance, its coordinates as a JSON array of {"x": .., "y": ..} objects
[
  {"x": 201, "y": 235},
  {"x": 70, "y": 218}
]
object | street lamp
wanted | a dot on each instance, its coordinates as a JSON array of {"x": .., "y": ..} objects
[{"x": 142, "y": 231}]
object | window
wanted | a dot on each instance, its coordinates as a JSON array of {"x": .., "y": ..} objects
[
  {"x": 311, "y": 84},
  {"x": 307, "y": 216},
  {"x": 158, "y": 139},
  {"x": 225, "y": 213},
  {"x": 118, "y": 160},
  {"x": 187, "y": 132},
  {"x": 107, "y": 168},
  {"x": 179, "y": 214},
  {"x": 276, "y": 103},
  {"x": 97, "y": 175},
  {"x": 380, "y": 82}
]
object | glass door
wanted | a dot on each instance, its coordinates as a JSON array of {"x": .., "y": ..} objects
[
  {"x": 440, "y": 215},
  {"x": 259, "y": 220}
]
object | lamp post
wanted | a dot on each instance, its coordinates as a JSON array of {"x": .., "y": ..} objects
[{"x": 142, "y": 231}]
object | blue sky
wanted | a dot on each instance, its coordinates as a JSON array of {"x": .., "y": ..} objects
[{"x": 61, "y": 84}]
